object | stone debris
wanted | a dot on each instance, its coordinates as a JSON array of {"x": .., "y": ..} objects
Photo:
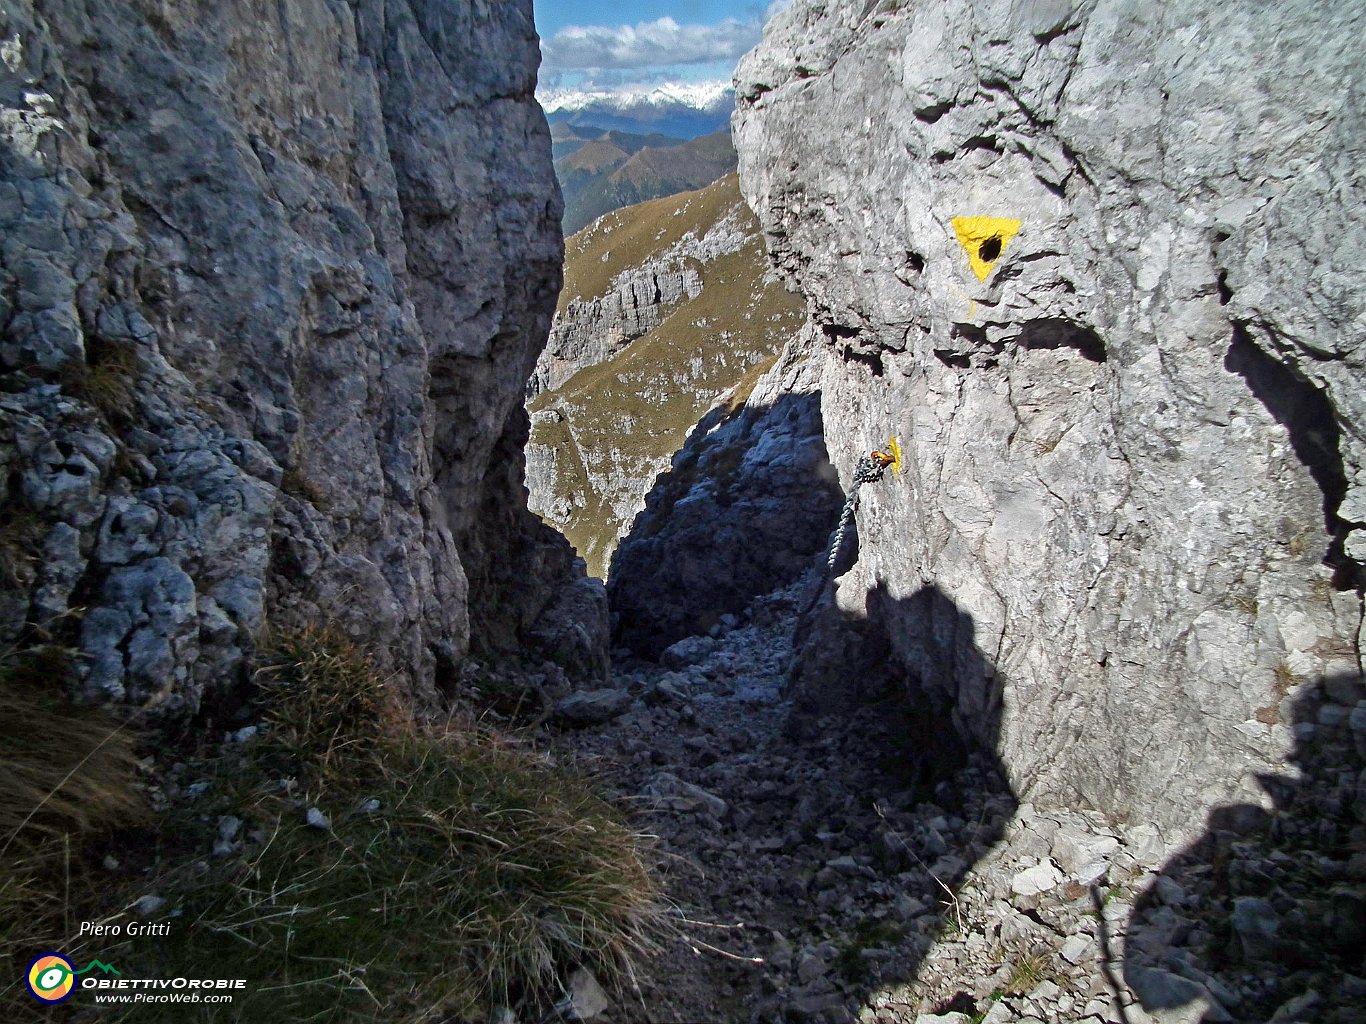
[
  {"x": 864, "y": 890},
  {"x": 671, "y": 792},
  {"x": 317, "y": 819},
  {"x": 688, "y": 651},
  {"x": 592, "y": 707},
  {"x": 586, "y": 999},
  {"x": 1032, "y": 881}
]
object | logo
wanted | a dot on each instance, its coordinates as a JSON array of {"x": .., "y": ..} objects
[{"x": 51, "y": 978}]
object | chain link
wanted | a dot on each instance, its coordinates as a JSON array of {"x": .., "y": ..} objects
[{"x": 869, "y": 470}]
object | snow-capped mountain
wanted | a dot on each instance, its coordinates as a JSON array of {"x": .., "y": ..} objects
[{"x": 683, "y": 110}]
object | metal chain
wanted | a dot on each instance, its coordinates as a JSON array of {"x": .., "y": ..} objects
[{"x": 869, "y": 470}]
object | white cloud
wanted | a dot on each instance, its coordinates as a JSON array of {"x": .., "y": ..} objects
[{"x": 647, "y": 44}]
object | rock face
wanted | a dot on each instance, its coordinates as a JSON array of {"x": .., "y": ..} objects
[
  {"x": 746, "y": 503},
  {"x": 668, "y": 308},
  {"x": 628, "y": 272},
  {"x": 1131, "y": 400},
  {"x": 273, "y": 277}
]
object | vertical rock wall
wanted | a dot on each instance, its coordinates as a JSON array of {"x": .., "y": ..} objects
[
  {"x": 272, "y": 278},
  {"x": 1135, "y": 444}
]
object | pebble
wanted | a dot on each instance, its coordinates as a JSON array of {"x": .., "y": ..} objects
[
  {"x": 1035, "y": 880},
  {"x": 1075, "y": 949},
  {"x": 586, "y": 998},
  {"x": 146, "y": 906},
  {"x": 1256, "y": 923},
  {"x": 592, "y": 707},
  {"x": 810, "y": 967}
]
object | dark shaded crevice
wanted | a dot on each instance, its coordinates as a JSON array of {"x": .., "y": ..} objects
[
  {"x": 971, "y": 333},
  {"x": 934, "y": 112},
  {"x": 957, "y": 360},
  {"x": 1053, "y": 333},
  {"x": 961, "y": 1003},
  {"x": 871, "y": 360},
  {"x": 960, "y": 356},
  {"x": 1309, "y": 421},
  {"x": 972, "y": 145},
  {"x": 845, "y": 340},
  {"x": 1058, "y": 189}
]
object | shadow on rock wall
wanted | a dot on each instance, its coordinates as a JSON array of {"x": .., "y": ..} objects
[
  {"x": 745, "y": 504},
  {"x": 1263, "y": 918},
  {"x": 940, "y": 795}
]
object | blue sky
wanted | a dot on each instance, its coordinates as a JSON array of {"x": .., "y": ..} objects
[{"x": 601, "y": 44}]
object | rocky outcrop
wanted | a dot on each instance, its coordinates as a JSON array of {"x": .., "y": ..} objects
[
  {"x": 273, "y": 278},
  {"x": 603, "y": 309},
  {"x": 1130, "y": 400},
  {"x": 668, "y": 309},
  {"x": 745, "y": 504},
  {"x": 586, "y": 333}
]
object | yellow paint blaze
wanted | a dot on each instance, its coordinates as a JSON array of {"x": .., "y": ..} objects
[
  {"x": 890, "y": 457},
  {"x": 984, "y": 239}
]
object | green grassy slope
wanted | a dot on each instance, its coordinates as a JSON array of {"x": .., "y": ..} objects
[
  {"x": 624, "y": 418},
  {"x": 617, "y": 169}
]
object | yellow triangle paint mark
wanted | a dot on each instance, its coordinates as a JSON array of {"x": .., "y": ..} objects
[{"x": 984, "y": 239}]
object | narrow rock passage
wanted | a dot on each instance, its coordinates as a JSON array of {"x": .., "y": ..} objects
[{"x": 807, "y": 872}]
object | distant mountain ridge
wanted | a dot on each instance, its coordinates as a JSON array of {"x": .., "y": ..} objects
[
  {"x": 602, "y": 170},
  {"x": 683, "y": 111}
]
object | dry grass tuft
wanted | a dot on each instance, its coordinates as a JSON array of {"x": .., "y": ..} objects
[
  {"x": 1027, "y": 972},
  {"x": 69, "y": 776},
  {"x": 326, "y": 704},
  {"x": 21, "y": 533},
  {"x": 459, "y": 869},
  {"x": 105, "y": 380},
  {"x": 68, "y": 770}
]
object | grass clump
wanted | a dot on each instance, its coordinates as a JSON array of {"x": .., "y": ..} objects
[
  {"x": 295, "y": 483},
  {"x": 21, "y": 534},
  {"x": 456, "y": 870},
  {"x": 850, "y": 963},
  {"x": 105, "y": 379},
  {"x": 326, "y": 706},
  {"x": 70, "y": 776},
  {"x": 1027, "y": 972}
]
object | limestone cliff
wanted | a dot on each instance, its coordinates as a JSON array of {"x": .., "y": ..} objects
[
  {"x": 1095, "y": 264},
  {"x": 273, "y": 278},
  {"x": 745, "y": 504}
]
